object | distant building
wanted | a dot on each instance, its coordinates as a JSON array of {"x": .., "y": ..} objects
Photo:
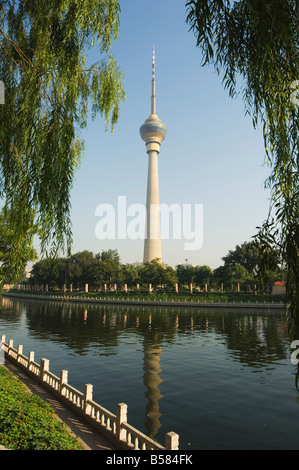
[
  {"x": 185, "y": 265},
  {"x": 136, "y": 264},
  {"x": 279, "y": 288}
]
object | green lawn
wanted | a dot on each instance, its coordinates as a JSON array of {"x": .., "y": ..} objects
[{"x": 27, "y": 422}]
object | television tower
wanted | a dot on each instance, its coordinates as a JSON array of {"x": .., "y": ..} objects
[{"x": 153, "y": 132}]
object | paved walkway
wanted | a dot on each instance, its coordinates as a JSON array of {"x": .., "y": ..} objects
[{"x": 86, "y": 434}]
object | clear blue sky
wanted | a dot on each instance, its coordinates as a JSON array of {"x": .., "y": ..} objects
[{"x": 211, "y": 155}]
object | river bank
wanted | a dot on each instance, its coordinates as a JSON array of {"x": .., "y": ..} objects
[
  {"x": 173, "y": 367},
  {"x": 27, "y": 421},
  {"x": 154, "y": 301}
]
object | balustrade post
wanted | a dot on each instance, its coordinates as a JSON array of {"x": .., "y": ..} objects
[
  {"x": 10, "y": 346},
  {"x": 87, "y": 396},
  {"x": 20, "y": 351},
  {"x": 2, "y": 353},
  {"x": 121, "y": 417},
  {"x": 172, "y": 441},
  {"x": 63, "y": 381},
  {"x": 44, "y": 367},
  {"x": 30, "y": 360}
]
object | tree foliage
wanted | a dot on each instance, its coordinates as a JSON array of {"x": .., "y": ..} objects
[
  {"x": 49, "y": 90},
  {"x": 242, "y": 265},
  {"x": 185, "y": 274},
  {"x": 79, "y": 269},
  {"x": 10, "y": 269},
  {"x": 256, "y": 43},
  {"x": 246, "y": 255},
  {"x": 106, "y": 268},
  {"x": 203, "y": 275},
  {"x": 157, "y": 275}
]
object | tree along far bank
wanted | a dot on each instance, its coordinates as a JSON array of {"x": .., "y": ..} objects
[{"x": 239, "y": 273}]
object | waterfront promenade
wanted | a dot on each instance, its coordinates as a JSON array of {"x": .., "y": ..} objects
[
  {"x": 114, "y": 427},
  {"x": 82, "y": 300},
  {"x": 85, "y": 433},
  {"x": 275, "y": 306}
]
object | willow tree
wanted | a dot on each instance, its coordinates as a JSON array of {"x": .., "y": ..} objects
[
  {"x": 8, "y": 273},
  {"x": 254, "y": 44},
  {"x": 50, "y": 89}
]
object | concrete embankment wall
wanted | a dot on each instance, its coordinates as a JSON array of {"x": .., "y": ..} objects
[{"x": 273, "y": 306}]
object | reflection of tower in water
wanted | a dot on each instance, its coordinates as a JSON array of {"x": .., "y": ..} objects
[
  {"x": 151, "y": 368},
  {"x": 152, "y": 380}
]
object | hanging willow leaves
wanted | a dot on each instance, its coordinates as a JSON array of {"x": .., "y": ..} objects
[
  {"x": 26, "y": 250},
  {"x": 49, "y": 88},
  {"x": 257, "y": 42}
]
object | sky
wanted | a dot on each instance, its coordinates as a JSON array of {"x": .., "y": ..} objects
[{"x": 211, "y": 158}]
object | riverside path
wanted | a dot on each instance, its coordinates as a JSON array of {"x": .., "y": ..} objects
[{"x": 85, "y": 433}]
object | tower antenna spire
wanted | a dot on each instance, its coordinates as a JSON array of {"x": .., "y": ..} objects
[{"x": 153, "y": 107}]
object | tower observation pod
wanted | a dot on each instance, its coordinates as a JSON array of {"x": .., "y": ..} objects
[{"x": 153, "y": 132}]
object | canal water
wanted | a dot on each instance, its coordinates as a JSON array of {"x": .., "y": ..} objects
[{"x": 221, "y": 379}]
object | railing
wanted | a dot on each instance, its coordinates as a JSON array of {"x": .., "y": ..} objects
[
  {"x": 174, "y": 302},
  {"x": 114, "y": 427}
]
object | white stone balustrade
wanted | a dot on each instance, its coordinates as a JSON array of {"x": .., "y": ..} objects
[{"x": 114, "y": 427}]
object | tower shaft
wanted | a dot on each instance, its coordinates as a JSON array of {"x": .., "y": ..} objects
[
  {"x": 153, "y": 132},
  {"x": 152, "y": 244}
]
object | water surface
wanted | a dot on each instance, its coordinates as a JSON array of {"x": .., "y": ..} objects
[{"x": 221, "y": 379}]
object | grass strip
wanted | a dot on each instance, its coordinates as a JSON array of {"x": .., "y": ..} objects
[{"x": 27, "y": 422}]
